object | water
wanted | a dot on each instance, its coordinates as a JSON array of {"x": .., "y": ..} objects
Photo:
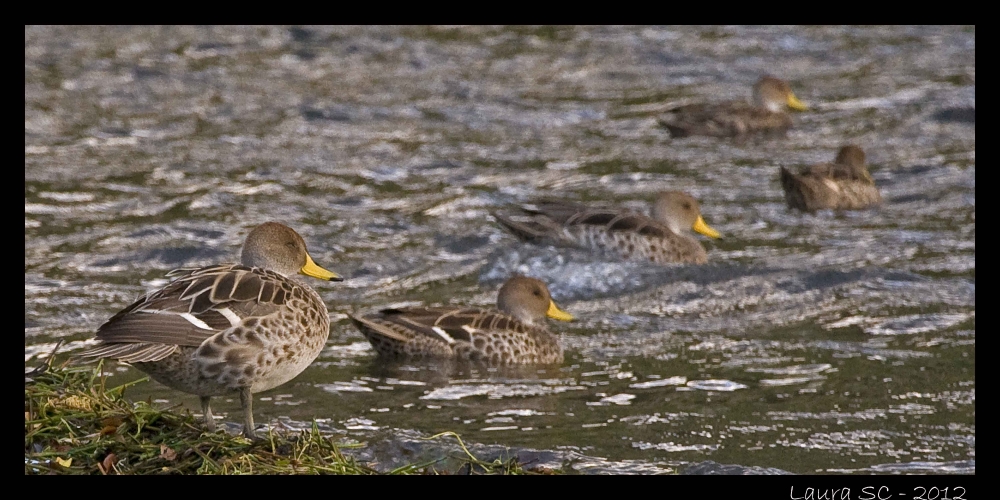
[{"x": 833, "y": 342}]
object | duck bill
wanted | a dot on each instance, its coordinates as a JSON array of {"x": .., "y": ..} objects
[
  {"x": 701, "y": 227},
  {"x": 555, "y": 313},
  {"x": 311, "y": 269},
  {"x": 795, "y": 103}
]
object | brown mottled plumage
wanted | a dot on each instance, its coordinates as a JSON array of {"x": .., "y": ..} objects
[
  {"x": 515, "y": 334},
  {"x": 663, "y": 238},
  {"x": 844, "y": 184},
  {"x": 227, "y": 328},
  {"x": 765, "y": 115}
]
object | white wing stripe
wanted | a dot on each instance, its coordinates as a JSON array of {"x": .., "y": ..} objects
[
  {"x": 187, "y": 316},
  {"x": 230, "y": 315},
  {"x": 444, "y": 335}
]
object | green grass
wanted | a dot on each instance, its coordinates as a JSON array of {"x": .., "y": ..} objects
[{"x": 74, "y": 424}]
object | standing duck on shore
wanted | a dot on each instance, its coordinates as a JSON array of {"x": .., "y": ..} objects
[{"x": 227, "y": 328}]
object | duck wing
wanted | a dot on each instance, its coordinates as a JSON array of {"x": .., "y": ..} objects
[{"x": 197, "y": 305}]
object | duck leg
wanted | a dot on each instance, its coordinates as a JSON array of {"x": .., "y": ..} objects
[
  {"x": 246, "y": 400},
  {"x": 206, "y": 408}
]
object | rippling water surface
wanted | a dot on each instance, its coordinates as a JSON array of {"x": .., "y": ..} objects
[{"x": 832, "y": 342}]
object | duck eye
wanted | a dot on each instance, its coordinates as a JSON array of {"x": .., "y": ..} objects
[
  {"x": 538, "y": 293},
  {"x": 687, "y": 206},
  {"x": 290, "y": 244}
]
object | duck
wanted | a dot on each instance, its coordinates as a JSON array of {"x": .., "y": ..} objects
[
  {"x": 513, "y": 334},
  {"x": 764, "y": 116},
  {"x": 844, "y": 184},
  {"x": 226, "y": 328},
  {"x": 662, "y": 238}
]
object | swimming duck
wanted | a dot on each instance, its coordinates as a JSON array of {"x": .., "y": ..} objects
[
  {"x": 844, "y": 184},
  {"x": 227, "y": 328},
  {"x": 514, "y": 334},
  {"x": 663, "y": 238},
  {"x": 766, "y": 114}
]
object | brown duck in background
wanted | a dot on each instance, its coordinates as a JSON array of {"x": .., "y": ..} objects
[
  {"x": 516, "y": 334},
  {"x": 663, "y": 238},
  {"x": 844, "y": 184},
  {"x": 765, "y": 115},
  {"x": 228, "y": 328}
]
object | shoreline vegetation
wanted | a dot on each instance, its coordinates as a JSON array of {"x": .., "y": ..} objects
[{"x": 75, "y": 424}]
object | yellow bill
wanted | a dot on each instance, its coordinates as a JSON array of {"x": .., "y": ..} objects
[
  {"x": 555, "y": 313},
  {"x": 795, "y": 103},
  {"x": 701, "y": 227},
  {"x": 311, "y": 269}
]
